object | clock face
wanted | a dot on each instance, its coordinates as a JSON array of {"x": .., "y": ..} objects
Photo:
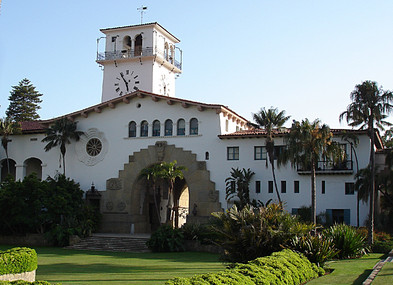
[{"x": 126, "y": 82}]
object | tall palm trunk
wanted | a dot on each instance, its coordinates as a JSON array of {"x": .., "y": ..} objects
[
  {"x": 372, "y": 192},
  {"x": 275, "y": 182},
  {"x": 63, "y": 152},
  {"x": 313, "y": 193}
]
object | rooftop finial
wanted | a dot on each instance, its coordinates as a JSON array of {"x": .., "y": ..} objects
[{"x": 142, "y": 10}]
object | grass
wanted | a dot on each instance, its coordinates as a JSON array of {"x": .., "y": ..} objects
[
  {"x": 349, "y": 271},
  {"x": 385, "y": 276},
  {"x": 89, "y": 267}
]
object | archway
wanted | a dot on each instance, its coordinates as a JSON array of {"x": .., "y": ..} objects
[
  {"x": 33, "y": 165},
  {"x": 127, "y": 202},
  {"x": 8, "y": 168}
]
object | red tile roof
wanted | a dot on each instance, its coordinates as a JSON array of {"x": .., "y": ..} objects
[{"x": 32, "y": 127}]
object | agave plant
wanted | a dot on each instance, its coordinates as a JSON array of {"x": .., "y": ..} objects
[{"x": 347, "y": 240}]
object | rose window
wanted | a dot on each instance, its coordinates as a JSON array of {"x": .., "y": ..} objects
[{"x": 94, "y": 147}]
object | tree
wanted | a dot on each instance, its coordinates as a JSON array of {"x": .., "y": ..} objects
[
  {"x": 306, "y": 144},
  {"x": 7, "y": 128},
  {"x": 152, "y": 174},
  {"x": 60, "y": 134},
  {"x": 170, "y": 172},
  {"x": 271, "y": 121},
  {"x": 24, "y": 100},
  {"x": 238, "y": 185},
  {"x": 370, "y": 107}
]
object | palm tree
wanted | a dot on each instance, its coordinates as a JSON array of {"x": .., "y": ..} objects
[
  {"x": 7, "y": 128},
  {"x": 238, "y": 185},
  {"x": 306, "y": 144},
  {"x": 60, "y": 134},
  {"x": 152, "y": 174},
  {"x": 271, "y": 121},
  {"x": 170, "y": 172},
  {"x": 370, "y": 107}
]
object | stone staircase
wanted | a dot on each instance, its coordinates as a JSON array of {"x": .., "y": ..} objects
[{"x": 113, "y": 242}]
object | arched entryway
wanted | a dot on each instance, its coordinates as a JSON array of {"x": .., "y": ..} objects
[
  {"x": 128, "y": 203},
  {"x": 8, "y": 168},
  {"x": 33, "y": 165}
]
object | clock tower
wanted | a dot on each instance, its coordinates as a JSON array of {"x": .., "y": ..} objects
[{"x": 140, "y": 57}]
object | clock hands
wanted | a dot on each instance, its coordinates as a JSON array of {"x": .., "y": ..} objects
[{"x": 125, "y": 81}]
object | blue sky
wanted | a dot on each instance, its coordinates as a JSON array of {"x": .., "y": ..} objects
[{"x": 304, "y": 57}]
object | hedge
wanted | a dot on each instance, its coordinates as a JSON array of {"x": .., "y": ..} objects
[
  {"x": 284, "y": 267},
  {"x": 22, "y": 282},
  {"x": 18, "y": 260}
]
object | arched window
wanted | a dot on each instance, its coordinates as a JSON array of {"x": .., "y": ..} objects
[
  {"x": 181, "y": 127},
  {"x": 138, "y": 45},
  {"x": 194, "y": 126},
  {"x": 144, "y": 129},
  {"x": 132, "y": 129},
  {"x": 166, "y": 55},
  {"x": 127, "y": 43},
  {"x": 168, "y": 127},
  {"x": 172, "y": 57},
  {"x": 207, "y": 156},
  {"x": 156, "y": 128}
]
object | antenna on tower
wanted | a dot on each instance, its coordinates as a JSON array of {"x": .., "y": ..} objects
[{"x": 142, "y": 10}]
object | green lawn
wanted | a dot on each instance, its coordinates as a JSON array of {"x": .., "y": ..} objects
[
  {"x": 88, "y": 267},
  {"x": 385, "y": 276},
  {"x": 349, "y": 271}
]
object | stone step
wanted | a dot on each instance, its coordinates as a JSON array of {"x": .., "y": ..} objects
[{"x": 105, "y": 242}]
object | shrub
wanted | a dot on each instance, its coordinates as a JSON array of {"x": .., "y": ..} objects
[
  {"x": 284, "y": 267},
  {"x": 166, "y": 239},
  {"x": 383, "y": 243},
  {"x": 317, "y": 248},
  {"x": 18, "y": 260},
  {"x": 347, "y": 241},
  {"x": 253, "y": 232}
]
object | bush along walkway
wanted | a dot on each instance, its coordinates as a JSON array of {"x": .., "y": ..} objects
[
  {"x": 284, "y": 267},
  {"x": 377, "y": 268}
]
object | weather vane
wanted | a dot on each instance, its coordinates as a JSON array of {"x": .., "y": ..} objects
[{"x": 142, "y": 9}]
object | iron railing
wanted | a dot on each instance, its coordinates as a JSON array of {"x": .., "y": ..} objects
[
  {"x": 133, "y": 53},
  {"x": 329, "y": 166}
]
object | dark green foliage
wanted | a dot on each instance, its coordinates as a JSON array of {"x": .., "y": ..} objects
[
  {"x": 383, "y": 243},
  {"x": 284, "y": 267},
  {"x": 347, "y": 241},
  {"x": 317, "y": 248},
  {"x": 24, "y": 100},
  {"x": 200, "y": 232},
  {"x": 253, "y": 232},
  {"x": 166, "y": 239},
  {"x": 18, "y": 260},
  {"x": 54, "y": 206},
  {"x": 237, "y": 186}
]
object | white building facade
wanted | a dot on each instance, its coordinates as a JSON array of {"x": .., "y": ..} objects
[{"x": 140, "y": 122}]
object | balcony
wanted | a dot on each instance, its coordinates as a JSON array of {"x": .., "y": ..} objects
[
  {"x": 329, "y": 167},
  {"x": 132, "y": 53}
]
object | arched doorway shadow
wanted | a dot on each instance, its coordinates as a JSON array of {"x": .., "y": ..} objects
[
  {"x": 8, "y": 168},
  {"x": 126, "y": 201}
]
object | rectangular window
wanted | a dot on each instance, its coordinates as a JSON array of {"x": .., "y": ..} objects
[
  {"x": 349, "y": 188},
  {"x": 233, "y": 153},
  {"x": 283, "y": 187},
  {"x": 278, "y": 150},
  {"x": 323, "y": 186},
  {"x": 270, "y": 187},
  {"x": 226, "y": 125},
  {"x": 296, "y": 186},
  {"x": 257, "y": 186},
  {"x": 259, "y": 153}
]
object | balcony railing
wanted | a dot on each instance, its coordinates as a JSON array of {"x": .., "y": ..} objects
[
  {"x": 132, "y": 53},
  {"x": 325, "y": 166}
]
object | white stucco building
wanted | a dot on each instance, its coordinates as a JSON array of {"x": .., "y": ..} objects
[{"x": 140, "y": 122}]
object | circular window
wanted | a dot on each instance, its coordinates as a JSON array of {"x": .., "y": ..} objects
[{"x": 94, "y": 147}]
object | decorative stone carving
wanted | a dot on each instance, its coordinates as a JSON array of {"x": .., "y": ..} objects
[
  {"x": 89, "y": 144},
  {"x": 114, "y": 184},
  {"x": 109, "y": 206},
  {"x": 121, "y": 206},
  {"x": 160, "y": 150}
]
